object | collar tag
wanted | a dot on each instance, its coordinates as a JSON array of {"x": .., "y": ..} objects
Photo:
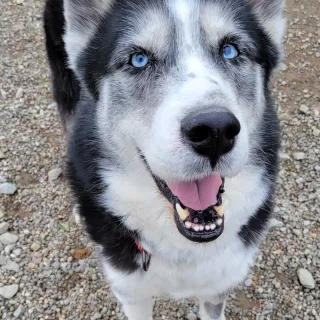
[{"x": 146, "y": 257}]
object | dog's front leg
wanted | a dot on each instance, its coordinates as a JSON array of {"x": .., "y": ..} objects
[
  {"x": 212, "y": 308},
  {"x": 136, "y": 308}
]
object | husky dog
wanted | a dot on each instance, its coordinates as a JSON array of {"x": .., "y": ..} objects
[{"x": 173, "y": 138}]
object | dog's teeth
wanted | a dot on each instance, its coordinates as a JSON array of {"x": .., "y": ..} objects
[
  {"x": 183, "y": 213},
  {"x": 188, "y": 224},
  {"x": 219, "y": 222},
  {"x": 207, "y": 227},
  {"x": 196, "y": 227},
  {"x": 212, "y": 226},
  {"x": 220, "y": 210},
  {"x": 201, "y": 227}
]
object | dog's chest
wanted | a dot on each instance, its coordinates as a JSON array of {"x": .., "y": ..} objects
[{"x": 212, "y": 272}]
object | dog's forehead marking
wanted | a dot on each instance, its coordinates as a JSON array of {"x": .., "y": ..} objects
[
  {"x": 182, "y": 10},
  {"x": 217, "y": 21},
  {"x": 150, "y": 30},
  {"x": 186, "y": 13}
]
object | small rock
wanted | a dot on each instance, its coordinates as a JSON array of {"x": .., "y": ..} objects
[
  {"x": 284, "y": 156},
  {"x": 18, "y": 312},
  {"x": 3, "y": 94},
  {"x": 277, "y": 285},
  {"x": 1, "y": 214},
  {"x": 248, "y": 282},
  {"x": 9, "y": 292},
  {"x": 299, "y": 180},
  {"x": 1, "y": 155},
  {"x": 9, "y": 248},
  {"x": 284, "y": 67},
  {"x": 81, "y": 253},
  {"x": 195, "y": 309},
  {"x": 8, "y": 238},
  {"x": 306, "y": 279},
  {"x": 260, "y": 290},
  {"x": 274, "y": 223},
  {"x": 35, "y": 246},
  {"x": 181, "y": 312},
  {"x": 17, "y": 252},
  {"x": 4, "y": 226},
  {"x": 19, "y": 93},
  {"x": 54, "y": 174},
  {"x": 191, "y": 316},
  {"x": 7, "y": 188},
  {"x": 11, "y": 266},
  {"x": 96, "y": 316},
  {"x": 3, "y": 260},
  {"x": 299, "y": 155},
  {"x": 304, "y": 109},
  {"x": 296, "y": 232}
]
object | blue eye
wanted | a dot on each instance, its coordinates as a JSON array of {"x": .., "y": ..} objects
[
  {"x": 139, "y": 60},
  {"x": 230, "y": 51}
]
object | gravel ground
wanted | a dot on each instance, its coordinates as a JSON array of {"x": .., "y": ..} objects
[{"x": 47, "y": 270}]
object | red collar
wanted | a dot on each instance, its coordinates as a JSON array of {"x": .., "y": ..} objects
[{"x": 146, "y": 257}]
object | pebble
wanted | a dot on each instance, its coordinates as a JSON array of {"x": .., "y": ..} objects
[
  {"x": 8, "y": 238},
  {"x": 195, "y": 309},
  {"x": 3, "y": 260},
  {"x": 306, "y": 279},
  {"x": 11, "y": 266},
  {"x": 54, "y": 174},
  {"x": 3, "y": 94},
  {"x": 181, "y": 312},
  {"x": 96, "y": 316},
  {"x": 296, "y": 232},
  {"x": 18, "y": 312},
  {"x": 8, "y": 188},
  {"x": 35, "y": 246},
  {"x": 274, "y": 223},
  {"x": 19, "y": 93},
  {"x": 1, "y": 214},
  {"x": 9, "y": 292},
  {"x": 9, "y": 248},
  {"x": 304, "y": 109},
  {"x": 17, "y": 252},
  {"x": 248, "y": 282},
  {"x": 191, "y": 316},
  {"x": 1, "y": 155},
  {"x": 4, "y": 226},
  {"x": 284, "y": 156},
  {"x": 299, "y": 155}
]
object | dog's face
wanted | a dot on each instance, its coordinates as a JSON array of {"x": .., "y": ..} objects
[{"x": 182, "y": 82}]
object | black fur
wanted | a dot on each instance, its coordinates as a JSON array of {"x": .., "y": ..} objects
[
  {"x": 66, "y": 88},
  {"x": 104, "y": 228},
  {"x": 85, "y": 148},
  {"x": 266, "y": 155}
]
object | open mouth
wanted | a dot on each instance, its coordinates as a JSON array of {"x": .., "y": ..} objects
[{"x": 198, "y": 207}]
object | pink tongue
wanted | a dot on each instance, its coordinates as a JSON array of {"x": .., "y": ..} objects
[{"x": 199, "y": 194}]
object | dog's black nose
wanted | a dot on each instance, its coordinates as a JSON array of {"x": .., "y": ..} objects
[{"x": 211, "y": 134}]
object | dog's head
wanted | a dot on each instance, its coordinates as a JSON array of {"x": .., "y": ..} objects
[{"x": 181, "y": 82}]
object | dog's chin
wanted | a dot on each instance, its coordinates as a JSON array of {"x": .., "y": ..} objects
[{"x": 196, "y": 225}]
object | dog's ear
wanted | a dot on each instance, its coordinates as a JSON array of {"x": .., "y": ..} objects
[
  {"x": 82, "y": 18},
  {"x": 270, "y": 13}
]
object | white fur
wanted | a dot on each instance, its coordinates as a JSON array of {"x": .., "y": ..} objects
[
  {"x": 79, "y": 32},
  {"x": 179, "y": 267},
  {"x": 177, "y": 262}
]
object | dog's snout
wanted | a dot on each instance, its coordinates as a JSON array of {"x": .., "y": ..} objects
[{"x": 210, "y": 134}]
